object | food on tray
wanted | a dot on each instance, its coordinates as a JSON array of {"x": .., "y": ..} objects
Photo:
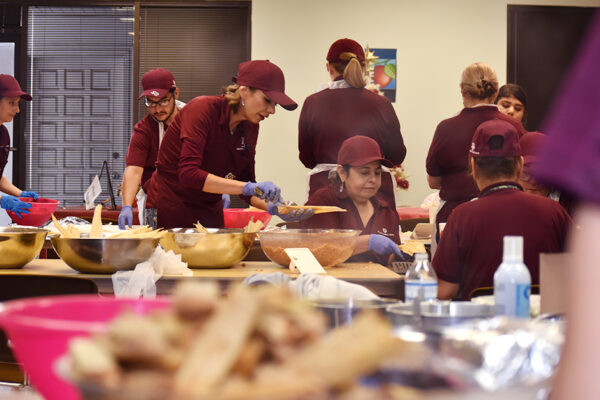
[
  {"x": 254, "y": 226},
  {"x": 200, "y": 228},
  {"x": 99, "y": 231},
  {"x": 256, "y": 343},
  {"x": 411, "y": 247},
  {"x": 327, "y": 254}
]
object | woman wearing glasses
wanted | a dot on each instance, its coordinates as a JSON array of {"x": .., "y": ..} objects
[
  {"x": 209, "y": 150},
  {"x": 160, "y": 95},
  {"x": 10, "y": 95}
]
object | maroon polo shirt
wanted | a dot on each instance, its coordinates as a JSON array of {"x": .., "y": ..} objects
[
  {"x": 384, "y": 221},
  {"x": 198, "y": 142},
  {"x": 331, "y": 116},
  {"x": 448, "y": 156},
  {"x": 4, "y": 148},
  {"x": 470, "y": 248}
]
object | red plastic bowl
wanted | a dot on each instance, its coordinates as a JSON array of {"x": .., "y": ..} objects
[
  {"x": 40, "y": 329},
  {"x": 239, "y": 217},
  {"x": 40, "y": 212}
]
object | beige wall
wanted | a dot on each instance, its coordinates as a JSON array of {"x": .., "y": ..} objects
[{"x": 436, "y": 40}]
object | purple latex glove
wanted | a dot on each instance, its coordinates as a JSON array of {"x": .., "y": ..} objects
[
  {"x": 383, "y": 245},
  {"x": 294, "y": 215},
  {"x": 125, "y": 217},
  {"x": 29, "y": 193},
  {"x": 226, "y": 200},
  {"x": 267, "y": 191},
  {"x": 11, "y": 203}
]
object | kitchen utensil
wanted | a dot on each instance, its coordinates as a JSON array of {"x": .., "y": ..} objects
[
  {"x": 39, "y": 213},
  {"x": 19, "y": 245},
  {"x": 285, "y": 209}
]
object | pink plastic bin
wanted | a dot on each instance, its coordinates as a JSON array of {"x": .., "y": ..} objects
[
  {"x": 240, "y": 217},
  {"x": 40, "y": 212},
  {"x": 40, "y": 329}
]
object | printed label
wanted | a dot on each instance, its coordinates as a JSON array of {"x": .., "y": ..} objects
[
  {"x": 411, "y": 290},
  {"x": 522, "y": 293}
]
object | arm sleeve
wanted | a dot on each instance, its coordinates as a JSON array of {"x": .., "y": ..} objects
[
  {"x": 394, "y": 150},
  {"x": 305, "y": 143},
  {"x": 139, "y": 147},
  {"x": 196, "y": 126},
  {"x": 431, "y": 164}
]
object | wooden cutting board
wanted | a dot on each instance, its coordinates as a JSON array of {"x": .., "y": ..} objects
[{"x": 317, "y": 209}]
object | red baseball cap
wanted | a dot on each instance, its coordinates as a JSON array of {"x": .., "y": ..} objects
[
  {"x": 157, "y": 83},
  {"x": 9, "y": 87},
  {"x": 266, "y": 76},
  {"x": 360, "y": 150},
  {"x": 345, "y": 46},
  {"x": 483, "y": 146},
  {"x": 531, "y": 142}
]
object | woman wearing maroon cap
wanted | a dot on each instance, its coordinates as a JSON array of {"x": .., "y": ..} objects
[
  {"x": 355, "y": 187},
  {"x": 210, "y": 146},
  {"x": 447, "y": 160},
  {"x": 344, "y": 108},
  {"x": 10, "y": 95}
]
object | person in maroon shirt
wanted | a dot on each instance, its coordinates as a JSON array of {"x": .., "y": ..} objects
[
  {"x": 344, "y": 108},
  {"x": 209, "y": 149},
  {"x": 470, "y": 248},
  {"x": 447, "y": 160},
  {"x": 10, "y": 95},
  {"x": 355, "y": 188},
  {"x": 160, "y": 94}
]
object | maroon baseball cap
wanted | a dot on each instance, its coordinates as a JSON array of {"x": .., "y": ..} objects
[
  {"x": 531, "y": 142},
  {"x": 483, "y": 145},
  {"x": 345, "y": 46},
  {"x": 360, "y": 150},
  {"x": 9, "y": 87},
  {"x": 266, "y": 76},
  {"x": 157, "y": 83}
]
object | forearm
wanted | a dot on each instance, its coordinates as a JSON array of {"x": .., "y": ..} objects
[
  {"x": 131, "y": 181},
  {"x": 447, "y": 290},
  {"x": 7, "y": 187},
  {"x": 362, "y": 244}
]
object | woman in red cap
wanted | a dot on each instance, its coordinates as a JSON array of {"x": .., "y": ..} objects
[
  {"x": 209, "y": 150},
  {"x": 447, "y": 160},
  {"x": 355, "y": 187},
  {"x": 10, "y": 95},
  {"x": 344, "y": 108}
]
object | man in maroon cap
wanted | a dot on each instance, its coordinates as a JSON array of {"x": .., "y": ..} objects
[
  {"x": 160, "y": 95},
  {"x": 470, "y": 248},
  {"x": 209, "y": 150},
  {"x": 342, "y": 109},
  {"x": 10, "y": 95}
]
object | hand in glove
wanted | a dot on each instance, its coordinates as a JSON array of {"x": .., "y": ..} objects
[
  {"x": 294, "y": 215},
  {"x": 383, "y": 245},
  {"x": 11, "y": 203},
  {"x": 267, "y": 191},
  {"x": 226, "y": 200},
  {"x": 29, "y": 193},
  {"x": 125, "y": 217}
]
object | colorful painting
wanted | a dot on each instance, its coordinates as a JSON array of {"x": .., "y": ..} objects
[{"x": 384, "y": 72}]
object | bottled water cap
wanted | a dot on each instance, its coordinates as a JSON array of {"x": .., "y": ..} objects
[{"x": 513, "y": 248}]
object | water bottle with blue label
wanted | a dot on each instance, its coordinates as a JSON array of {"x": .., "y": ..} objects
[
  {"x": 420, "y": 277},
  {"x": 512, "y": 281}
]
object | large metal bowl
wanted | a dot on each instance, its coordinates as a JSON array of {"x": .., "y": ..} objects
[
  {"x": 329, "y": 246},
  {"x": 344, "y": 311},
  {"x": 220, "y": 248},
  {"x": 19, "y": 245},
  {"x": 436, "y": 314},
  {"x": 103, "y": 256}
]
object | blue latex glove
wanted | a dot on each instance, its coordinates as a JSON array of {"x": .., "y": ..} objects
[
  {"x": 29, "y": 193},
  {"x": 267, "y": 191},
  {"x": 294, "y": 215},
  {"x": 11, "y": 203},
  {"x": 226, "y": 200},
  {"x": 125, "y": 217},
  {"x": 383, "y": 245}
]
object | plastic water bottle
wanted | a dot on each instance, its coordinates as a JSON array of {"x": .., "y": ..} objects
[
  {"x": 512, "y": 281},
  {"x": 420, "y": 277}
]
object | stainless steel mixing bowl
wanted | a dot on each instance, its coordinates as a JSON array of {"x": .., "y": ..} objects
[
  {"x": 437, "y": 314},
  {"x": 329, "y": 246},
  {"x": 220, "y": 248},
  {"x": 103, "y": 256},
  {"x": 19, "y": 245}
]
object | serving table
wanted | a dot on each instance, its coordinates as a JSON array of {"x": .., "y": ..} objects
[
  {"x": 376, "y": 277},
  {"x": 108, "y": 215}
]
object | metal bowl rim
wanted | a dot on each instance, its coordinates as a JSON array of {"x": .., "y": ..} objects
[{"x": 307, "y": 231}]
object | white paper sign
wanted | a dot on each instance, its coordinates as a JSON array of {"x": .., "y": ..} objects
[
  {"x": 303, "y": 261},
  {"x": 92, "y": 192}
]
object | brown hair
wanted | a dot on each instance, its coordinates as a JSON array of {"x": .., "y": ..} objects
[
  {"x": 512, "y": 89},
  {"x": 232, "y": 94},
  {"x": 350, "y": 66},
  {"x": 479, "y": 81},
  {"x": 497, "y": 167}
]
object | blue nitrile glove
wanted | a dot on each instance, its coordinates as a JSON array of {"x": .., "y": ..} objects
[
  {"x": 383, "y": 245},
  {"x": 29, "y": 193},
  {"x": 11, "y": 203},
  {"x": 125, "y": 217},
  {"x": 294, "y": 215},
  {"x": 226, "y": 200},
  {"x": 267, "y": 191}
]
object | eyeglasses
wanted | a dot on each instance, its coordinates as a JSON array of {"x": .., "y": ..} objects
[{"x": 161, "y": 102}]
